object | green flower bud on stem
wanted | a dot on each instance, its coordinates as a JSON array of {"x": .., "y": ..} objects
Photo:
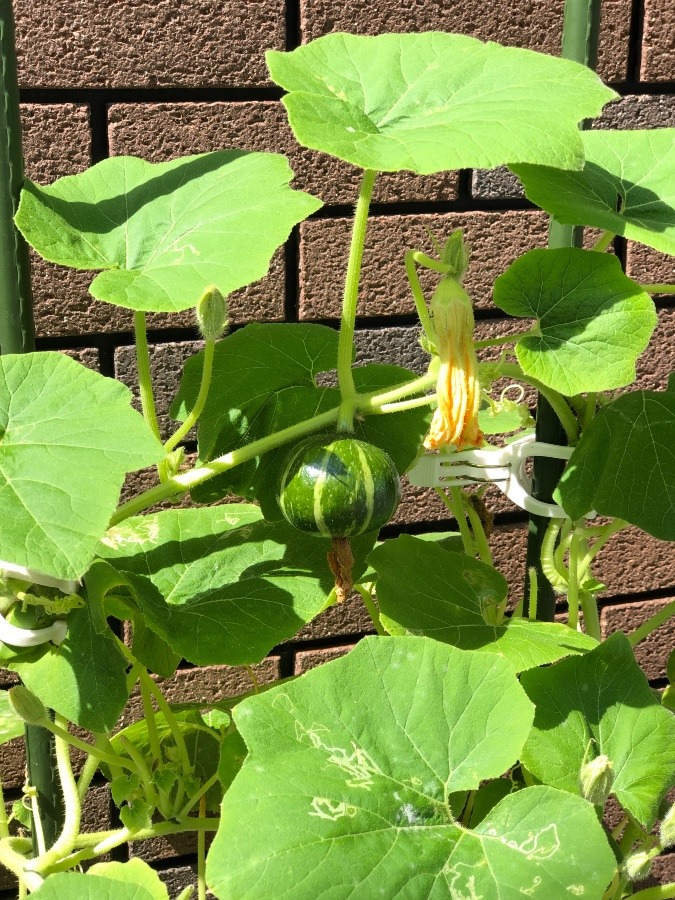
[
  {"x": 596, "y": 779},
  {"x": 26, "y": 705},
  {"x": 638, "y": 864},
  {"x": 212, "y": 313}
]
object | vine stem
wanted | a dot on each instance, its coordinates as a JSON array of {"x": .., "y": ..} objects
[
  {"x": 171, "y": 721},
  {"x": 506, "y": 339},
  {"x": 411, "y": 258},
  {"x": 179, "y": 484},
  {"x": 349, "y": 303},
  {"x": 652, "y": 624},
  {"x": 373, "y": 611},
  {"x": 151, "y": 721},
  {"x": 144, "y": 378},
  {"x": 603, "y": 241},
  {"x": 660, "y": 892},
  {"x": 556, "y": 400},
  {"x": 72, "y": 807},
  {"x": 4, "y": 822},
  {"x": 658, "y": 289},
  {"x": 199, "y": 797},
  {"x": 200, "y": 402},
  {"x": 573, "y": 583},
  {"x": 201, "y": 854}
]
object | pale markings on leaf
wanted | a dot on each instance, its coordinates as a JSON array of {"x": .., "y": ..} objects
[{"x": 327, "y": 809}]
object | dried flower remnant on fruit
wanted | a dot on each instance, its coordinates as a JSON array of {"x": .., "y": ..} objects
[{"x": 455, "y": 421}]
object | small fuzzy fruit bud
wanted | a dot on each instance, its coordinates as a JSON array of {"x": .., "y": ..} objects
[
  {"x": 455, "y": 255},
  {"x": 596, "y": 779},
  {"x": 26, "y": 705},
  {"x": 667, "y": 830},
  {"x": 638, "y": 864},
  {"x": 212, "y": 313}
]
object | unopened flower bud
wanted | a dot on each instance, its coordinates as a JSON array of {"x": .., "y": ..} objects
[
  {"x": 26, "y": 705},
  {"x": 667, "y": 830},
  {"x": 212, "y": 313},
  {"x": 638, "y": 864},
  {"x": 455, "y": 255},
  {"x": 596, "y": 779}
]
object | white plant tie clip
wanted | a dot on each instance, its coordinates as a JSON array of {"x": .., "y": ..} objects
[
  {"x": 502, "y": 466},
  {"x": 33, "y": 637}
]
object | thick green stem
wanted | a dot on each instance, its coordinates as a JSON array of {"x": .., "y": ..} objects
[
  {"x": 198, "y": 798},
  {"x": 458, "y": 509},
  {"x": 349, "y": 304},
  {"x": 86, "y": 775},
  {"x": 200, "y": 402},
  {"x": 104, "y": 756},
  {"x": 182, "y": 483},
  {"x": 505, "y": 339},
  {"x": 144, "y": 377},
  {"x": 201, "y": 855},
  {"x": 141, "y": 769},
  {"x": 573, "y": 583},
  {"x": 151, "y": 721},
  {"x": 589, "y": 607},
  {"x": 479, "y": 537},
  {"x": 534, "y": 592},
  {"x": 171, "y": 721},
  {"x": 4, "y": 822}
]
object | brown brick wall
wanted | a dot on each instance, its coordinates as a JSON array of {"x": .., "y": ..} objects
[{"x": 158, "y": 79}]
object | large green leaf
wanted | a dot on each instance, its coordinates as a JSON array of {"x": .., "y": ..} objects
[
  {"x": 592, "y": 321},
  {"x": 132, "y": 880},
  {"x": 67, "y": 437},
  {"x": 447, "y": 604},
  {"x": 263, "y": 381},
  {"x": 627, "y": 186},
  {"x": 366, "y": 751},
  {"x": 624, "y": 464},
  {"x": 433, "y": 101},
  {"x": 83, "y": 679},
  {"x": 164, "y": 232},
  {"x": 221, "y": 585},
  {"x": 601, "y": 703}
]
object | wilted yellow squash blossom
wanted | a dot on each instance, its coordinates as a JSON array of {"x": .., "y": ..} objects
[{"x": 455, "y": 421}]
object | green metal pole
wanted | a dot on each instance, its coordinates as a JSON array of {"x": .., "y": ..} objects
[
  {"x": 581, "y": 29},
  {"x": 17, "y": 335}
]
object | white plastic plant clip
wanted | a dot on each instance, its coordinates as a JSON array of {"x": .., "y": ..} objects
[
  {"x": 32, "y": 637},
  {"x": 502, "y": 466}
]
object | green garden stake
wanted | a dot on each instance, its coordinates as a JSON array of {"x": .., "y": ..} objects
[
  {"x": 581, "y": 27},
  {"x": 17, "y": 335}
]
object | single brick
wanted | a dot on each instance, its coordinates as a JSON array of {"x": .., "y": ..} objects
[
  {"x": 57, "y": 142},
  {"x": 310, "y": 659},
  {"x": 633, "y": 561},
  {"x": 166, "y": 366},
  {"x": 657, "y": 42},
  {"x": 169, "y": 847},
  {"x": 177, "y": 878},
  {"x": 521, "y": 23},
  {"x": 496, "y": 184},
  {"x": 96, "y": 809},
  {"x": 138, "y": 43},
  {"x": 496, "y": 239},
  {"x": 162, "y": 131},
  {"x": 639, "y": 111},
  {"x": 658, "y": 361},
  {"x": 652, "y": 653},
  {"x": 13, "y": 765}
]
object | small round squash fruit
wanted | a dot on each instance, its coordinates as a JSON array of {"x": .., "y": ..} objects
[{"x": 338, "y": 486}]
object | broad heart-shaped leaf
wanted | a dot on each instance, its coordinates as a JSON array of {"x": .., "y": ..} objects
[
  {"x": 366, "y": 751},
  {"x": 263, "y": 381},
  {"x": 11, "y": 725},
  {"x": 220, "y": 585},
  {"x": 624, "y": 464},
  {"x": 83, "y": 679},
  {"x": 593, "y": 321},
  {"x": 627, "y": 186},
  {"x": 67, "y": 437},
  {"x": 132, "y": 880},
  {"x": 605, "y": 696},
  {"x": 447, "y": 602},
  {"x": 433, "y": 101},
  {"x": 164, "y": 232}
]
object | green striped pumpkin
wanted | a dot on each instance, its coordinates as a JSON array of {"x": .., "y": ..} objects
[{"x": 338, "y": 486}]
